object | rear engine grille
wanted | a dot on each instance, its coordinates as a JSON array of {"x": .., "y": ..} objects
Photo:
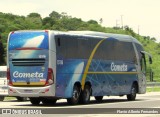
[{"x": 28, "y": 62}]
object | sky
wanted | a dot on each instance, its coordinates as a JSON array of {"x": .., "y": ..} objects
[{"x": 140, "y": 15}]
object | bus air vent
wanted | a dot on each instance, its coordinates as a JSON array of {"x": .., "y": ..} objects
[{"x": 28, "y": 62}]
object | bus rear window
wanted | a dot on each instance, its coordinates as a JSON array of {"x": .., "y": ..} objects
[{"x": 28, "y": 40}]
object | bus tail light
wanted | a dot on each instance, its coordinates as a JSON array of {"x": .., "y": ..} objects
[
  {"x": 50, "y": 79},
  {"x": 8, "y": 77}
]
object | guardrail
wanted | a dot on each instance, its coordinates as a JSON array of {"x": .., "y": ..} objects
[{"x": 153, "y": 84}]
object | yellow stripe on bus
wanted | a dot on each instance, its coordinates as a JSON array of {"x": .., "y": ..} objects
[{"x": 89, "y": 62}]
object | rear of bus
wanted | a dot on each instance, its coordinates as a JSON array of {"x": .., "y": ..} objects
[{"x": 29, "y": 72}]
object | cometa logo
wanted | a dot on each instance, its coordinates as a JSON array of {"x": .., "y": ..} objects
[
  {"x": 16, "y": 74},
  {"x": 122, "y": 67}
]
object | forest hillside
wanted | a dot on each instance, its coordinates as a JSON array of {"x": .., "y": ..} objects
[{"x": 63, "y": 22}]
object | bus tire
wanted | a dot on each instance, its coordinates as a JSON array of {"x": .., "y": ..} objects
[
  {"x": 132, "y": 96},
  {"x": 98, "y": 98},
  {"x": 1, "y": 98},
  {"x": 75, "y": 96},
  {"x": 85, "y": 97},
  {"x": 46, "y": 101},
  {"x": 35, "y": 101}
]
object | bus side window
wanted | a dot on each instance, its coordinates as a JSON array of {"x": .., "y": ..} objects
[{"x": 61, "y": 46}]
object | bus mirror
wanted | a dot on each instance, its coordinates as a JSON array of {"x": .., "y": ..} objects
[
  {"x": 59, "y": 42},
  {"x": 150, "y": 60},
  {"x": 149, "y": 55}
]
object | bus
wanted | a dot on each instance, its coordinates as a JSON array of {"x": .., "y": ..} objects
[{"x": 47, "y": 65}]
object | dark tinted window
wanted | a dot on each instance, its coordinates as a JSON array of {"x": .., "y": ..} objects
[
  {"x": 104, "y": 51},
  {"x": 86, "y": 45},
  {"x": 66, "y": 46},
  {"x": 84, "y": 48},
  {"x": 61, "y": 46},
  {"x": 72, "y": 47},
  {"x": 75, "y": 46},
  {"x": 124, "y": 51},
  {"x": 112, "y": 49}
]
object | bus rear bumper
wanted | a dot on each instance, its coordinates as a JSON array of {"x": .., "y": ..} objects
[{"x": 47, "y": 91}]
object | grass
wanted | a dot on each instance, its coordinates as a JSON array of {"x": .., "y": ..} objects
[
  {"x": 153, "y": 89},
  {"x": 10, "y": 98}
]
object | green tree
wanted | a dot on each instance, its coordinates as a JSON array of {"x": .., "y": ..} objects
[
  {"x": 55, "y": 15},
  {"x": 92, "y": 22},
  {"x": 34, "y": 21},
  {"x": 1, "y": 53},
  {"x": 34, "y": 15},
  {"x": 153, "y": 39}
]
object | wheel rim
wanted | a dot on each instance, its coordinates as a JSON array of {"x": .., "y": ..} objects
[
  {"x": 75, "y": 94},
  {"x": 133, "y": 91},
  {"x": 87, "y": 94}
]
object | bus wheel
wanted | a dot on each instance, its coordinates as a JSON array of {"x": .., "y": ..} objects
[
  {"x": 98, "y": 98},
  {"x": 1, "y": 98},
  {"x": 86, "y": 94},
  {"x": 75, "y": 96},
  {"x": 48, "y": 101},
  {"x": 132, "y": 96},
  {"x": 35, "y": 101}
]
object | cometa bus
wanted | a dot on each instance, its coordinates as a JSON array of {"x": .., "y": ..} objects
[{"x": 47, "y": 65}]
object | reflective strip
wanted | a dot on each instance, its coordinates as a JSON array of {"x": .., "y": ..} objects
[{"x": 31, "y": 83}]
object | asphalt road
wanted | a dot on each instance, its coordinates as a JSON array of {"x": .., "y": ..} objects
[{"x": 111, "y": 106}]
